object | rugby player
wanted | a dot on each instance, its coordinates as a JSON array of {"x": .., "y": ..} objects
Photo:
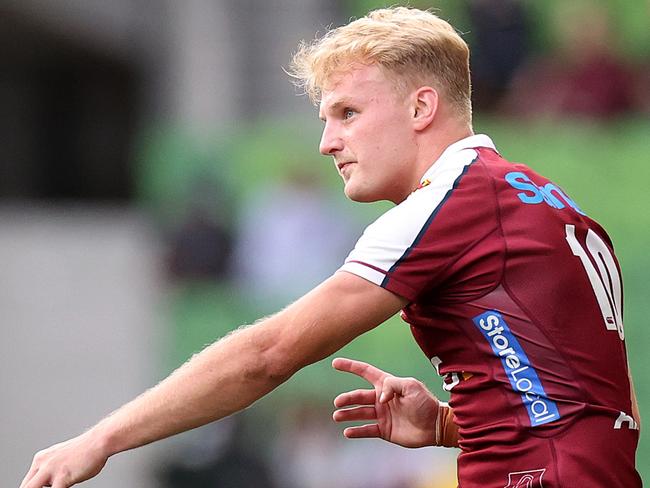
[{"x": 510, "y": 289}]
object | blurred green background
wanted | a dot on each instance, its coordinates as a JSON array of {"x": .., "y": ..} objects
[{"x": 117, "y": 109}]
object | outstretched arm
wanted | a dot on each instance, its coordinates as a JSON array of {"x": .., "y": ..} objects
[
  {"x": 403, "y": 410},
  {"x": 226, "y": 377}
]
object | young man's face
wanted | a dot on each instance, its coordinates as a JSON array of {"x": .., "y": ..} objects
[{"x": 369, "y": 134}]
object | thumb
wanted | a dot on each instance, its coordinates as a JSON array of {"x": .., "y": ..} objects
[{"x": 390, "y": 388}]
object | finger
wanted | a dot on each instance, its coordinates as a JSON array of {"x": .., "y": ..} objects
[
  {"x": 366, "y": 371},
  {"x": 355, "y": 413},
  {"x": 30, "y": 474},
  {"x": 39, "y": 480},
  {"x": 391, "y": 387},
  {"x": 33, "y": 469},
  {"x": 355, "y": 397},
  {"x": 362, "y": 431}
]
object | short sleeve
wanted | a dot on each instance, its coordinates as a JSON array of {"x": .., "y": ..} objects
[{"x": 406, "y": 249}]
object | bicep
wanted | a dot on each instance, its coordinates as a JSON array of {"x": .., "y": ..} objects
[{"x": 327, "y": 318}]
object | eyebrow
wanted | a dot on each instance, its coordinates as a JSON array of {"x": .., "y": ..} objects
[{"x": 343, "y": 102}]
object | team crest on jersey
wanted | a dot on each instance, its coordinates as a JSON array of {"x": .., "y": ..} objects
[
  {"x": 526, "y": 479},
  {"x": 422, "y": 184}
]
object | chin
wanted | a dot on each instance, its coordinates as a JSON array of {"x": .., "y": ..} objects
[{"x": 362, "y": 195}]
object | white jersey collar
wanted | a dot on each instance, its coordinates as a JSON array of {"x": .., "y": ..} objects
[{"x": 478, "y": 140}]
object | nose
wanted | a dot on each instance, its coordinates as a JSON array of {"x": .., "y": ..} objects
[{"x": 330, "y": 141}]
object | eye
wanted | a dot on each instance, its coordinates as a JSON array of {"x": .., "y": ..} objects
[{"x": 348, "y": 113}]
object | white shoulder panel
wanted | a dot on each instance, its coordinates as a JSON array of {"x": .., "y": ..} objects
[{"x": 385, "y": 241}]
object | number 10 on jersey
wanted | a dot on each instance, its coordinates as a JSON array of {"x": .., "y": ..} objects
[{"x": 604, "y": 276}]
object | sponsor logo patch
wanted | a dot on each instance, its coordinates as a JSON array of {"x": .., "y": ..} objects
[
  {"x": 533, "y": 193},
  {"x": 521, "y": 374}
]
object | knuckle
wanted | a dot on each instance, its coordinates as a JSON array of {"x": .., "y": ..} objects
[
  {"x": 413, "y": 382},
  {"x": 39, "y": 456},
  {"x": 394, "y": 382},
  {"x": 65, "y": 473}
]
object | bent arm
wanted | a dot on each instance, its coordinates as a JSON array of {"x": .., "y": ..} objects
[{"x": 239, "y": 369}]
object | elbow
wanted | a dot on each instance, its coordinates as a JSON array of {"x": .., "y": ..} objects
[
  {"x": 276, "y": 368},
  {"x": 268, "y": 363},
  {"x": 267, "y": 368}
]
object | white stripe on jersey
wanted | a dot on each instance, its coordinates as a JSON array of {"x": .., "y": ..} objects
[{"x": 386, "y": 240}]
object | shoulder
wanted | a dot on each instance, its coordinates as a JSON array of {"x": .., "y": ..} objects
[{"x": 438, "y": 186}]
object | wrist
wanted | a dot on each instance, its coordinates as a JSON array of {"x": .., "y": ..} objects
[
  {"x": 445, "y": 429},
  {"x": 103, "y": 440},
  {"x": 438, "y": 427},
  {"x": 431, "y": 433}
]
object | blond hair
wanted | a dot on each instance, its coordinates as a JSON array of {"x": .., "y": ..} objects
[{"x": 413, "y": 46}]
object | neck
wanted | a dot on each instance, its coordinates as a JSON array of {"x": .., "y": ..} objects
[{"x": 433, "y": 143}]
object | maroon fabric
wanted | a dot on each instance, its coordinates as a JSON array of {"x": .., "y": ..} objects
[{"x": 487, "y": 250}]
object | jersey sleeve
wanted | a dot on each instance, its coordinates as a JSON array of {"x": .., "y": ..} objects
[{"x": 408, "y": 247}]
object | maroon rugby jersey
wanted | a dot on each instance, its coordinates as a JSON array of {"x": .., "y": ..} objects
[{"x": 516, "y": 298}]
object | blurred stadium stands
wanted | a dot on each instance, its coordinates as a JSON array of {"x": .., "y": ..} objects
[{"x": 113, "y": 113}]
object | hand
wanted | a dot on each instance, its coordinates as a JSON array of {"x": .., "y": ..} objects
[
  {"x": 66, "y": 464},
  {"x": 403, "y": 409}
]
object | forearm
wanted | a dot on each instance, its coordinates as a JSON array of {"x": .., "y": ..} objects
[
  {"x": 224, "y": 378},
  {"x": 241, "y": 368}
]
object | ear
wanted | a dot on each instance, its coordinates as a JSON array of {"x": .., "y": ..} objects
[{"x": 425, "y": 107}]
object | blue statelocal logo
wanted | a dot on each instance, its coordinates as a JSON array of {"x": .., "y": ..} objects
[{"x": 521, "y": 374}]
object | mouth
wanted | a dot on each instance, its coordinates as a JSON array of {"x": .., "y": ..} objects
[{"x": 340, "y": 166}]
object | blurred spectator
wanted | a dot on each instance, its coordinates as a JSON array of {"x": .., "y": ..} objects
[
  {"x": 201, "y": 244},
  {"x": 291, "y": 238},
  {"x": 500, "y": 45},
  {"x": 584, "y": 76}
]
